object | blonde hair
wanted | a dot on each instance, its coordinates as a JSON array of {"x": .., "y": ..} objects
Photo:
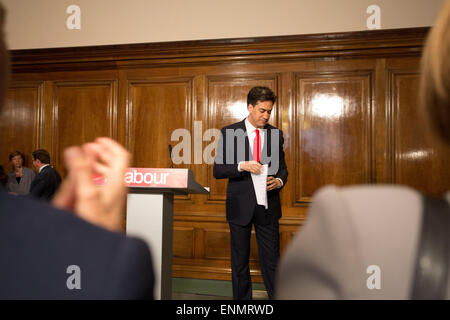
[{"x": 435, "y": 79}]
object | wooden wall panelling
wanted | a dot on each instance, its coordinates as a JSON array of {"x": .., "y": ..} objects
[
  {"x": 380, "y": 138},
  {"x": 82, "y": 111},
  {"x": 22, "y": 124},
  {"x": 417, "y": 159},
  {"x": 183, "y": 242},
  {"x": 47, "y": 139},
  {"x": 226, "y": 52},
  {"x": 334, "y": 131},
  {"x": 211, "y": 254},
  {"x": 156, "y": 108},
  {"x": 287, "y": 232},
  {"x": 199, "y": 147}
]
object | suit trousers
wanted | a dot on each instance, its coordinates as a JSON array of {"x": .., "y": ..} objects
[{"x": 268, "y": 239}]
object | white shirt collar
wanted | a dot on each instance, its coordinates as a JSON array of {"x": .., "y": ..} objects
[
  {"x": 45, "y": 165},
  {"x": 251, "y": 133},
  {"x": 249, "y": 127}
]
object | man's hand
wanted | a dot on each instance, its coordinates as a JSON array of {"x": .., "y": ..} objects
[
  {"x": 251, "y": 166},
  {"x": 101, "y": 205},
  {"x": 273, "y": 183}
]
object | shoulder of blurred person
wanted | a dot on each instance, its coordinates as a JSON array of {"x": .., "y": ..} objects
[
  {"x": 41, "y": 243},
  {"x": 348, "y": 231}
]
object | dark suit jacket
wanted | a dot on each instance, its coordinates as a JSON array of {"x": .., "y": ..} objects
[
  {"x": 241, "y": 198},
  {"x": 45, "y": 184},
  {"x": 38, "y": 243}
]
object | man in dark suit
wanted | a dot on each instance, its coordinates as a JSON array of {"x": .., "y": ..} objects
[
  {"x": 49, "y": 253},
  {"x": 243, "y": 149},
  {"x": 47, "y": 181}
]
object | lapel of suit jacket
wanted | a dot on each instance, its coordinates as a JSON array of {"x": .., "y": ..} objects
[{"x": 248, "y": 155}]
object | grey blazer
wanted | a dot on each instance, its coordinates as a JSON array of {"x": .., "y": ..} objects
[
  {"x": 347, "y": 232},
  {"x": 23, "y": 187}
]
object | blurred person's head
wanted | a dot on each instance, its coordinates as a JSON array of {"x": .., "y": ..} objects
[
  {"x": 435, "y": 81},
  {"x": 17, "y": 159}
]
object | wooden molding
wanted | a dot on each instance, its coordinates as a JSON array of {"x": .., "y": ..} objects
[{"x": 343, "y": 45}]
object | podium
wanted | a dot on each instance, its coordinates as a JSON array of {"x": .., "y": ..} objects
[{"x": 150, "y": 215}]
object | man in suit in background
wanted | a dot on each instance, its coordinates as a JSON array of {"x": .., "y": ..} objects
[
  {"x": 47, "y": 180},
  {"x": 77, "y": 252},
  {"x": 242, "y": 150}
]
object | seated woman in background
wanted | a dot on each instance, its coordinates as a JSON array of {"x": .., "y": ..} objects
[
  {"x": 19, "y": 180},
  {"x": 362, "y": 242}
]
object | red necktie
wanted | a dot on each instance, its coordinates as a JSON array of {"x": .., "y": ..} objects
[{"x": 256, "y": 149}]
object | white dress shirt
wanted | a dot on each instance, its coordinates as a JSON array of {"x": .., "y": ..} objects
[{"x": 251, "y": 133}]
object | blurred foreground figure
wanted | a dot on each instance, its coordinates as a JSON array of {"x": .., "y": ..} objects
[
  {"x": 49, "y": 253},
  {"x": 362, "y": 242}
]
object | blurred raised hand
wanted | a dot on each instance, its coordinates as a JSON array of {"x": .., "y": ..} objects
[{"x": 100, "y": 205}]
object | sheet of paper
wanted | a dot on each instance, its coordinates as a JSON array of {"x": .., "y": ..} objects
[{"x": 260, "y": 185}]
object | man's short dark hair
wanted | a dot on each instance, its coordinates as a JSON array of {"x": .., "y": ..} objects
[
  {"x": 260, "y": 94},
  {"x": 42, "y": 155}
]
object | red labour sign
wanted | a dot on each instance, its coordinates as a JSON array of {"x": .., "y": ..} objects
[{"x": 152, "y": 177}]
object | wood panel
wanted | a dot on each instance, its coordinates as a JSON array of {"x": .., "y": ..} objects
[
  {"x": 346, "y": 104},
  {"x": 217, "y": 244},
  {"x": 156, "y": 108},
  {"x": 82, "y": 111},
  {"x": 418, "y": 160},
  {"x": 20, "y": 128},
  {"x": 334, "y": 131},
  {"x": 226, "y": 52},
  {"x": 209, "y": 255},
  {"x": 183, "y": 242}
]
